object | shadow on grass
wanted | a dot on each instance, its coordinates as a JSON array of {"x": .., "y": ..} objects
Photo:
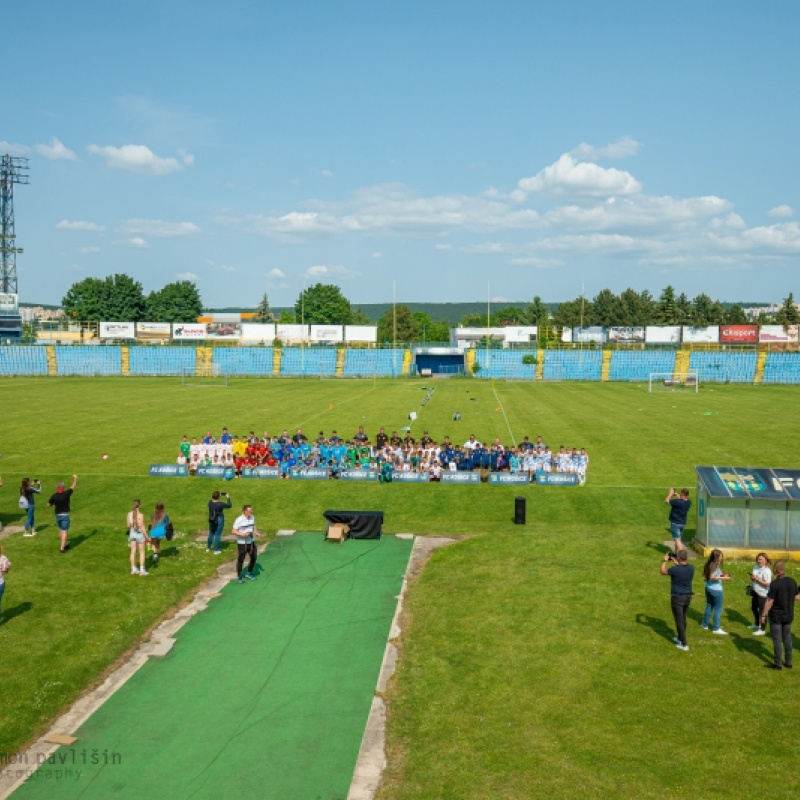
[
  {"x": 736, "y": 616},
  {"x": 15, "y": 611},
  {"x": 754, "y": 646},
  {"x": 659, "y": 547},
  {"x": 77, "y": 541},
  {"x": 657, "y": 625}
]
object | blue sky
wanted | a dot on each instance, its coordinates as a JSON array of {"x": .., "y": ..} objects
[{"x": 536, "y": 147}]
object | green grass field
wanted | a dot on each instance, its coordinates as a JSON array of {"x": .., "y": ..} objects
[{"x": 535, "y": 661}]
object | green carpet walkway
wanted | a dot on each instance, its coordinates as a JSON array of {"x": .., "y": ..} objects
[{"x": 265, "y": 694}]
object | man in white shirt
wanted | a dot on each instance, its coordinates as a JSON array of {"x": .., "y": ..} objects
[
  {"x": 244, "y": 529},
  {"x": 471, "y": 443}
]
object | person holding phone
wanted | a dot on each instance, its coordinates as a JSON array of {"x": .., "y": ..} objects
[
  {"x": 761, "y": 578},
  {"x": 714, "y": 576},
  {"x": 216, "y": 520},
  {"x": 681, "y": 575}
]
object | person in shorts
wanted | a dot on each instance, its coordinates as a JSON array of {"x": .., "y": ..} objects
[
  {"x": 679, "y": 505},
  {"x": 60, "y": 501},
  {"x": 137, "y": 535}
]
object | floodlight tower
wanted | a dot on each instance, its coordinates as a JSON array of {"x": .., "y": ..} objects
[{"x": 12, "y": 170}]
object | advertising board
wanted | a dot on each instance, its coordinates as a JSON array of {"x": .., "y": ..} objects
[{"x": 117, "y": 330}]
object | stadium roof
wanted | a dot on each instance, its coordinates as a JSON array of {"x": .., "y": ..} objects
[{"x": 751, "y": 483}]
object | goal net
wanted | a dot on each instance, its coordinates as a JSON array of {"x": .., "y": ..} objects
[
  {"x": 673, "y": 381},
  {"x": 207, "y": 375}
]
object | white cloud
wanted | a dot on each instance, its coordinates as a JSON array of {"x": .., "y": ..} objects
[
  {"x": 486, "y": 247},
  {"x": 11, "y": 149},
  {"x": 56, "y": 151},
  {"x": 784, "y": 237},
  {"x": 137, "y": 241},
  {"x": 326, "y": 173},
  {"x": 138, "y": 158},
  {"x": 377, "y": 254},
  {"x": 538, "y": 263},
  {"x": 320, "y": 271},
  {"x": 622, "y": 148},
  {"x": 159, "y": 228},
  {"x": 781, "y": 211},
  {"x": 444, "y": 247},
  {"x": 89, "y": 250},
  {"x": 571, "y": 178},
  {"x": 276, "y": 273},
  {"x": 498, "y": 298},
  {"x": 186, "y": 276},
  {"x": 80, "y": 225},
  {"x": 186, "y": 157}
]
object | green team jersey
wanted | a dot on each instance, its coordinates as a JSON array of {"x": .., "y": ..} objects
[
  {"x": 351, "y": 456},
  {"x": 186, "y": 449}
]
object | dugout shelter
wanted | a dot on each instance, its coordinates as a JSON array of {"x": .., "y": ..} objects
[{"x": 744, "y": 510}]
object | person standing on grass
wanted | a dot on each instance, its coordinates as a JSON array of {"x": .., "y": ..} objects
[
  {"x": 679, "y": 505},
  {"x": 216, "y": 521},
  {"x": 761, "y": 578},
  {"x": 780, "y": 610},
  {"x": 244, "y": 529},
  {"x": 61, "y": 505},
  {"x": 713, "y": 576},
  {"x": 137, "y": 535},
  {"x": 5, "y": 566},
  {"x": 28, "y": 490},
  {"x": 681, "y": 575},
  {"x": 158, "y": 530}
]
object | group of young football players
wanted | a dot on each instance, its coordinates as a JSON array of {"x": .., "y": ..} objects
[{"x": 386, "y": 454}]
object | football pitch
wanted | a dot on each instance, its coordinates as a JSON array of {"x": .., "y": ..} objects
[{"x": 535, "y": 660}]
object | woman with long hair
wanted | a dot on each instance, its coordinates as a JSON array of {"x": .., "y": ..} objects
[
  {"x": 761, "y": 577},
  {"x": 713, "y": 574},
  {"x": 158, "y": 529},
  {"x": 29, "y": 489},
  {"x": 137, "y": 535},
  {"x": 5, "y": 566}
]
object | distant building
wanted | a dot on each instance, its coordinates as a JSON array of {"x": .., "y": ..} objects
[{"x": 31, "y": 313}]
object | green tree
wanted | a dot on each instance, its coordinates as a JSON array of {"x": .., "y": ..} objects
[
  {"x": 474, "y": 320},
  {"x": 735, "y": 315},
  {"x": 124, "y": 299},
  {"x": 360, "y": 318},
  {"x": 701, "y": 313},
  {"x": 607, "y": 309},
  {"x": 637, "y": 309},
  {"x": 287, "y": 317},
  {"x": 787, "y": 313},
  {"x": 405, "y": 325},
  {"x": 426, "y": 330},
  {"x": 684, "y": 304},
  {"x": 176, "y": 302},
  {"x": 573, "y": 313},
  {"x": 508, "y": 315},
  {"x": 85, "y": 300},
  {"x": 667, "y": 311},
  {"x": 263, "y": 311},
  {"x": 323, "y": 304},
  {"x": 537, "y": 313}
]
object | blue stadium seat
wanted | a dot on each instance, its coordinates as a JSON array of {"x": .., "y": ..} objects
[
  {"x": 244, "y": 360},
  {"x": 88, "y": 360},
  {"x": 782, "y": 368},
  {"x": 368, "y": 362},
  {"x": 636, "y": 365},
  {"x": 308, "y": 361},
  {"x": 573, "y": 365},
  {"x": 23, "y": 360},
  {"x": 724, "y": 366},
  {"x": 505, "y": 364},
  {"x": 160, "y": 360}
]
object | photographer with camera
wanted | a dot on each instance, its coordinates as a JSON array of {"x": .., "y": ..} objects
[
  {"x": 216, "y": 520},
  {"x": 27, "y": 498},
  {"x": 679, "y": 505},
  {"x": 681, "y": 575}
]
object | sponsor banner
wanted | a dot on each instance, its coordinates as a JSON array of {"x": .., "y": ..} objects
[
  {"x": 154, "y": 331},
  {"x": 593, "y": 334},
  {"x": 626, "y": 335},
  {"x": 361, "y": 333},
  {"x": 254, "y": 332},
  {"x": 556, "y": 478},
  {"x": 211, "y": 472},
  {"x": 224, "y": 330},
  {"x": 291, "y": 333},
  {"x": 461, "y": 477},
  {"x": 9, "y": 303},
  {"x": 522, "y": 334},
  {"x": 408, "y": 477},
  {"x": 709, "y": 334},
  {"x": 311, "y": 474},
  {"x": 508, "y": 478},
  {"x": 732, "y": 334},
  {"x": 358, "y": 475},
  {"x": 188, "y": 330},
  {"x": 662, "y": 334},
  {"x": 263, "y": 473},
  {"x": 327, "y": 333},
  {"x": 117, "y": 330},
  {"x": 778, "y": 333},
  {"x": 168, "y": 471}
]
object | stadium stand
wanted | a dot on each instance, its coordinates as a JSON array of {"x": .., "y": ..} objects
[
  {"x": 724, "y": 367},
  {"x": 505, "y": 364},
  {"x": 782, "y": 368},
  {"x": 573, "y": 365},
  {"x": 244, "y": 360},
  {"x": 636, "y": 365},
  {"x": 23, "y": 361},
  {"x": 161, "y": 360},
  {"x": 308, "y": 361},
  {"x": 88, "y": 360},
  {"x": 359, "y": 362}
]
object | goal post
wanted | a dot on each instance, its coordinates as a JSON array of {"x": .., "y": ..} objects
[{"x": 673, "y": 382}]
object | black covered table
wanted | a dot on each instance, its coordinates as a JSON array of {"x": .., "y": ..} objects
[{"x": 363, "y": 524}]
